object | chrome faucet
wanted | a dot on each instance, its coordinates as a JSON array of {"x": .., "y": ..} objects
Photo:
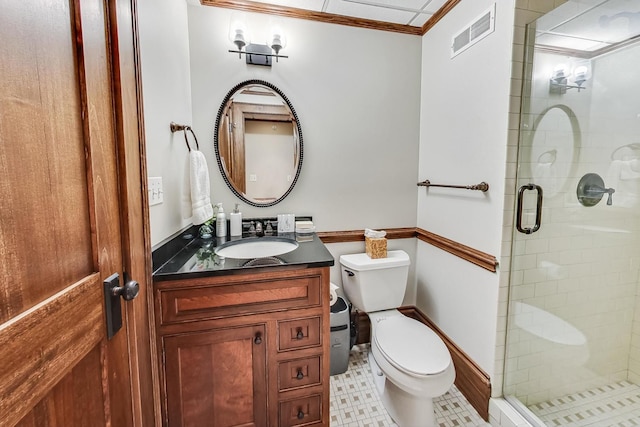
[
  {"x": 258, "y": 228},
  {"x": 591, "y": 189},
  {"x": 597, "y": 190}
]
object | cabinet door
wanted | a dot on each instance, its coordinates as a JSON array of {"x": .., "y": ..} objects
[{"x": 217, "y": 378}]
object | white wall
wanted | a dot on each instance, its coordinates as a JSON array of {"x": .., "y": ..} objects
[
  {"x": 164, "y": 47},
  {"x": 356, "y": 92},
  {"x": 463, "y": 140},
  {"x": 357, "y": 95}
]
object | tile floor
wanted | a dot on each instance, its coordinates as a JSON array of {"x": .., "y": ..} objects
[
  {"x": 355, "y": 401},
  {"x": 614, "y": 405}
]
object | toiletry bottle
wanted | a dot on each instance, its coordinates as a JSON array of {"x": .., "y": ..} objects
[
  {"x": 221, "y": 222},
  {"x": 235, "y": 219}
]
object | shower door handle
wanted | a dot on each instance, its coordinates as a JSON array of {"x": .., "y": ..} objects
[{"x": 536, "y": 227}]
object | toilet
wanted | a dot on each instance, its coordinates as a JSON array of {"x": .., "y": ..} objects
[{"x": 410, "y": 363}]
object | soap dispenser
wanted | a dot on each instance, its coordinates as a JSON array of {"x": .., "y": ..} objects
[
  {"x": 235, "y": 218},
  {"x": 221, "y": 222}
]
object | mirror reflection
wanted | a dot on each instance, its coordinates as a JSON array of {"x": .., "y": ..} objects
[
  {"x": 258, "y": 143},
  {"x": 552, "y": 149}
]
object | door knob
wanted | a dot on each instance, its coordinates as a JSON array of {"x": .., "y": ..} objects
[
  {"x": 129, "y": 291},
  {"x": 112, "y": 293}
]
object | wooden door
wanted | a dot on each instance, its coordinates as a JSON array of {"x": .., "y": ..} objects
[
  {"x": 61, "y": 230},
  {"x": 217, "y": 378}
]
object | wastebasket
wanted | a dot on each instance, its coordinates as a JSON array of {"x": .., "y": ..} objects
[{"x": 340, "y": 337}]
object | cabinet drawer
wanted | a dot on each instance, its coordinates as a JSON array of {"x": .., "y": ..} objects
[
  {"x": 219, "y": 300},
  {"x": 298, "y": 373},
  {"x": 298, "y": 333},
  {"x": 301, "y": 411}
]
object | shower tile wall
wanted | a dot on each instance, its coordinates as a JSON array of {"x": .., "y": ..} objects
[
  {"x": 584, "y": 267},
  {"x": 615, "y": 123}
]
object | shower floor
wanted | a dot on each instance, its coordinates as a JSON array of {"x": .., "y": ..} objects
[{"x": 606, "y": 406}]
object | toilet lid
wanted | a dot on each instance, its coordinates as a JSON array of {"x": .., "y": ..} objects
[{"x": 411, "y": 346}]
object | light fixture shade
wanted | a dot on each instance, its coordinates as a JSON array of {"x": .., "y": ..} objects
[
  {"x": 278, "y": 40},
  {"x": 571, "y": 76},
  {"x": 560, "y": 72},
  {"x": 256, "y": 53},
  {"x": 238, "y": 34},
  {"x": 580, "y": 74}
]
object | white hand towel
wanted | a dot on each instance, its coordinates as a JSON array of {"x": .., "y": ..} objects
[
  {"x": 186, "y": 190},
  {"x": 625, "y": 181},
  {"x": 629, "y": 170},
  {"x": 197, "y": 195}
]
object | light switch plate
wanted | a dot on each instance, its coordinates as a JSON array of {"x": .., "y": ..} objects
[{"x": 155, "y": 190}]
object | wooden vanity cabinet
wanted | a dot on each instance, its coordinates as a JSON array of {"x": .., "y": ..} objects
[{"x": 245, "y": 349}]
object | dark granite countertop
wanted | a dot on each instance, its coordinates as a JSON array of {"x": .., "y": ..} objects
[{"x": 185, "y": 256}]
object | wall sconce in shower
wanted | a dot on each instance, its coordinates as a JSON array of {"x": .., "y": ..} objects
[
  {"x": 257, "y": 54},
  {"x": 563, "y": 80}
]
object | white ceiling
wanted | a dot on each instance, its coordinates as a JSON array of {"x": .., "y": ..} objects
[
  {"x": 405, "y": 12},
  {"x": 579, "y": 25},
  {"x": 589, "y": 25}
]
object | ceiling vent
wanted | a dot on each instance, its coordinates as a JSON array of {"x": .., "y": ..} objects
[{"x": 474, "y": 32}]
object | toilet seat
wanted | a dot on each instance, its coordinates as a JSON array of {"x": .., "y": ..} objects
[{"x": 411, "y": 346}]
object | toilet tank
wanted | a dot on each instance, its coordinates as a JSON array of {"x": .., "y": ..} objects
[{"x": 375, "y": 284}]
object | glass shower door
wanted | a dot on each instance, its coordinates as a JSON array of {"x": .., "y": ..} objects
[{"x": 573, "y": 340}]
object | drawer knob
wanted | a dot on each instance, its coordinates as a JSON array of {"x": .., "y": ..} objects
[
  {"x": 258, "y": 339},
  {"x": 300, "y": 334},
  {"x": 300, "y": 414},
  {"x": 300, "y": 374}
]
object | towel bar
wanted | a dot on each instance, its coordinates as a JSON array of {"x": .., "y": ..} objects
[
  {"x": 483, "y": 186},
  {"x": 177, "y": 128}
]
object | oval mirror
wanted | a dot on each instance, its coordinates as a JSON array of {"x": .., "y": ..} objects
[{"x": 258, "y": 143}]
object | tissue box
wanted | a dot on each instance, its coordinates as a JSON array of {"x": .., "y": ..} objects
[{"x": 376, "y": 247}]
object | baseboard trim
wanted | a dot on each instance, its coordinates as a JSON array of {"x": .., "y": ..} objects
[{"x": 471, "y": 380}]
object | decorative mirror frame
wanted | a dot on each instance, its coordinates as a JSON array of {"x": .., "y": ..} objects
[{"x": 217, "y": 148}]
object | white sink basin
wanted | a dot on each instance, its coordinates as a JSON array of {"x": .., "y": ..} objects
[{"x": 256, "y": 248}]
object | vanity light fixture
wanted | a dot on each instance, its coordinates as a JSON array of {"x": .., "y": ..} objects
[
  {"x": 561, "y": 79},
  {"x": 257, "y": 54}
]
